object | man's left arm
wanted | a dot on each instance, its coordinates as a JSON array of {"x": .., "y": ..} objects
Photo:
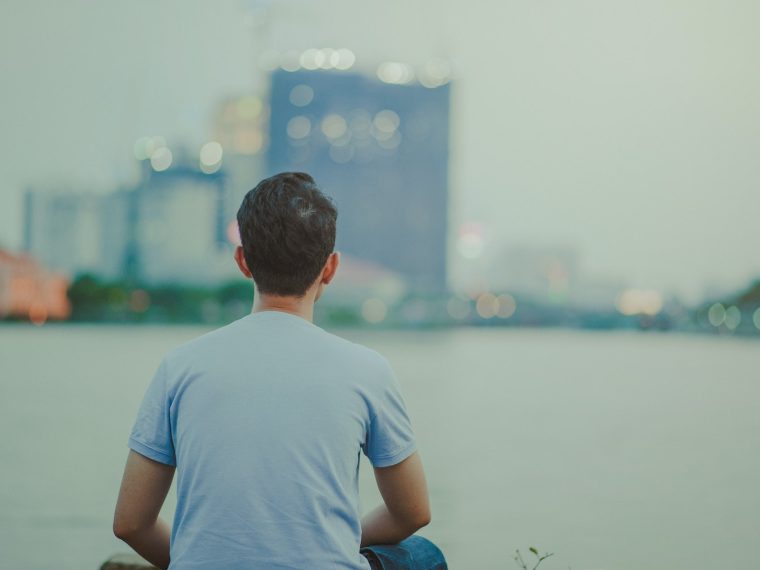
[{"x": 144, "y": 487}]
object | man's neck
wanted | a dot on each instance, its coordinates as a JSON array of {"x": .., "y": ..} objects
[{"x": 303, "y": 307}]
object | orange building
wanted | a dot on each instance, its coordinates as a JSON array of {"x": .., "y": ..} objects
[{"x": 27, "y": 290}]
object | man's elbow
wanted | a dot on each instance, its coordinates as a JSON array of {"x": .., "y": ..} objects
[
  {"x": 125, "y": 530},
  {"x": 418, "y": 520},
  {"x": 424, "y": 519},
  {"x": 120, "y": 530}
]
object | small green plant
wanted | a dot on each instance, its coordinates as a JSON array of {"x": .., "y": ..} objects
[{"x": 539, "y": 558}]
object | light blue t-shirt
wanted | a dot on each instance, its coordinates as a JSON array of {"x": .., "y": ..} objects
[{"x": 265, "y": 419}]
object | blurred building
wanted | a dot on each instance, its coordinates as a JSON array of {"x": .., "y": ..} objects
[
  {"x": 65, "y": 230},
  {"x": 169, "y": 228},
  {"x": 27, "y": 290},
  {"x": 176, "y": 229},
  {"x": 538, "y": 272},
  {"x": 380, "y": 149}
]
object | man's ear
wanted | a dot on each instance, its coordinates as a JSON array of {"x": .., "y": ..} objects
[
  {"x": 331, "y": 267},
  {"x": 241, "y": 263}
]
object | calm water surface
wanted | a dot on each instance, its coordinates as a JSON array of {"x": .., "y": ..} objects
[{"x": 614, "y": 450}]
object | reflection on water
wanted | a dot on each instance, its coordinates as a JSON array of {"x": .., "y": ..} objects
[{"x": 622, "y": 451}]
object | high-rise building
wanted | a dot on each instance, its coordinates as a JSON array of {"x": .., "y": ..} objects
[
  {"x": 176, "y": 228},
  {"x": 169, "y": 228},
  {"x": 65, "y": 231},
  {"x": 381, "y": 151}
]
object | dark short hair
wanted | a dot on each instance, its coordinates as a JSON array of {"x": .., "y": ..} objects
[{"x": 287, "y": 230}]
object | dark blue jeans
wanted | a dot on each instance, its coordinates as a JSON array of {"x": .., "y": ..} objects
[{"x": 413, "y": 553}]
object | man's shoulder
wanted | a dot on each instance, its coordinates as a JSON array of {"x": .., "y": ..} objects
[
  {"x": 352, "y": 349},
  {"x": 366, "y": 365},
  {"x": 202, "y": 346}
]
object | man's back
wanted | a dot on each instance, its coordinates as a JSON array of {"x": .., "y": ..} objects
[{"x": 265, "y": 419}]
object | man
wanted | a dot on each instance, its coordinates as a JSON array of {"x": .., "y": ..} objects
[{"x": 264, "y": 420}]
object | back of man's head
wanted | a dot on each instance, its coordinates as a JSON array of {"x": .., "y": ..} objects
[{"x": 287, "y": 231}]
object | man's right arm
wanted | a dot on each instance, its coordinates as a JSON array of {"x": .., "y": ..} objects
[{"x": 406, "y": 507}]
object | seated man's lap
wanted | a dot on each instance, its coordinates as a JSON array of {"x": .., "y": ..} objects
[{"x": 413, "y": 553}]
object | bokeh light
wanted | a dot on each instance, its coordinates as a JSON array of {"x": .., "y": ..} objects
[
  {"x": 299, "y": 127},
  {"x": 733, "y": 317},
  {"x": 716, "y": 314},
  {"x": 334, "y": 126},
  {"x": 211, "y": 157},
  {"x": 343, "y": 59},
  {"x": 487, "y": 305},
  {"x": 327, "y": 58},
  {"x": 144, "y": 147},
  {"x": 301, "y": 95},
  {"x": 290, "y": 61},
  {"x": 374, "y": 310},
  {"x": 161, "y": 159},
  {"x": 395, "y": 72},
  {"x": 507, "y": 305},
  {"x": 435, "y": 72},
  {"x": 311, "y": 59},
  {"x": 640, "y": 302},
  {"x": 386, "y": 121}
]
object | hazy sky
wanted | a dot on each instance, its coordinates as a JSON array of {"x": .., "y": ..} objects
[{"x": 629, "y": 130}]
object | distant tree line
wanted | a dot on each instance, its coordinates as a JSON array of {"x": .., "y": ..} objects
[
  {"x": 94, "y": 299},
  {"x": 124, "y": 301}
]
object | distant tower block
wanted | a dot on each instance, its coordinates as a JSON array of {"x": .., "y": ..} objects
[{"x": 381, "y": 151}]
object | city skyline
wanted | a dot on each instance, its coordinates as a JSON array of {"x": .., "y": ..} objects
[{"x": 636, "y": 154}]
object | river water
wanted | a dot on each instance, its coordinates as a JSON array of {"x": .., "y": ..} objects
[{"x": 625, "y": 451}]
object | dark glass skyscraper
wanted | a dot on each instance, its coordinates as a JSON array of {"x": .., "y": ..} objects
[{"x": 381, "y": 151}]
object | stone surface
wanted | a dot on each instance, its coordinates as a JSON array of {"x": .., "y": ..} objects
[{"x": 126, "y": 562}]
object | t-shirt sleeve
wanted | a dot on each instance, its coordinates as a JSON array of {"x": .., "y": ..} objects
[
  {"x": 390, "y": 437},
  {"x": 151, "y": 434}
]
